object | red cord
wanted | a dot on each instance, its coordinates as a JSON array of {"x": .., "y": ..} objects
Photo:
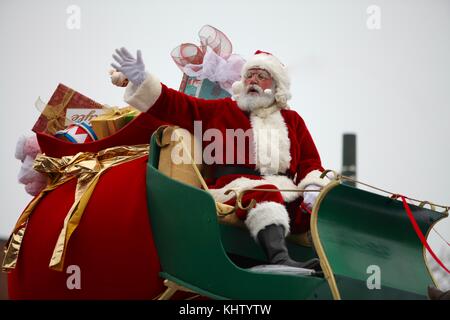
[
  {"x": 419, "y": 232},
  {"x": 415, "y": 226},
  {"x": 303, "y": 206}
]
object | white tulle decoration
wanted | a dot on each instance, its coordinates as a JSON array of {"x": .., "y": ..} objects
[{"x": 217, "y": 69}]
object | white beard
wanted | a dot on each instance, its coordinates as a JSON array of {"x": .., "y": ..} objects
[{"x": 249, "y": 102}]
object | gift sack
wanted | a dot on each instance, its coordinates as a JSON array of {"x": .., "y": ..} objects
[{"x": 107, "y": 252}]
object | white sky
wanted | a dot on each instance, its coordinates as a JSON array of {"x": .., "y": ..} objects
[{"x": 389, "y": 86}]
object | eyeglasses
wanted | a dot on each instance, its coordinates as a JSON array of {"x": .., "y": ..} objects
[{"x": 260, "y": 75}]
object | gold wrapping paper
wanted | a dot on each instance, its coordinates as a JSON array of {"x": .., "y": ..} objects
[
  {"x": 112, "y": 121},
  {"x": 87, "y": 168}
]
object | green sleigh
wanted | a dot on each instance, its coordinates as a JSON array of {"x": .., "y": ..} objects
[{"x": 355, "y": 233}]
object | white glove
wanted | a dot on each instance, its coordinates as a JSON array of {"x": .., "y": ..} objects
[
  {"x": 133, "y": 69},
  {"x": 309, "y": 198}
]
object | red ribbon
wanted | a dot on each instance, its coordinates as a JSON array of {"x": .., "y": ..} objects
[
  {"x": 304, "y": 207},
  {"x": 415, "y": 226},
  {"x": 189, "y": 53},
  {"x": 419, "y": 232}
]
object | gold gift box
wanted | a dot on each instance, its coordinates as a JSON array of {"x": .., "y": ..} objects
[{"x": 113, "y": 120}]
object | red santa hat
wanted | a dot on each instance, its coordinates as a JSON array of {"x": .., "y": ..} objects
[{"x": 270, "y": 63}]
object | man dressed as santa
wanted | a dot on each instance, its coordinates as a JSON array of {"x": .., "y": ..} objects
[{"x": 280, "y": 153}]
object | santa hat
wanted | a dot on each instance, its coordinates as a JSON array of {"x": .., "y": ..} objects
[{"x": 277, "y": 70}]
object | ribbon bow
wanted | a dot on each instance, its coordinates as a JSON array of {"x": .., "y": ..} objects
[
  {"x": 86, "y": 167},
  {"x": 111, "y": 112},
  {"x": 212, "y": 60},
  {"x": 56, "y": 114}
]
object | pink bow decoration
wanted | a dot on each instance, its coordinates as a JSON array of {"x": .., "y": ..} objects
[{"x": 212, "y": 60}]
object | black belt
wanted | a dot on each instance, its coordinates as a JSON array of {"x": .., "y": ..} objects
[{"x": 223, "y": 170}]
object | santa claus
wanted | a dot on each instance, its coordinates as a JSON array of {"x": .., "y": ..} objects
[{"x": 280, "y": 154}]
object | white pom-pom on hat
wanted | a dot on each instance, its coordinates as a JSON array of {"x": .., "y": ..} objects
[{"x": 237, "y": 88}]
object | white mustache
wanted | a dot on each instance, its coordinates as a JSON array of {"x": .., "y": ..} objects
[
  {"x": 255, "y": 87},
  {"x": 259, "y": 89}
]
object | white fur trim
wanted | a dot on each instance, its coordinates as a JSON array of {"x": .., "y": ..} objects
[
  {"x": 265, "y": 214},
  {"x": 271, "y": 143},
  {"x": 144, "y": 96},
  {"x": 314, "y": 178},
  {"x": 283, "y": 182},
  {"x": 240, "y": 184}
]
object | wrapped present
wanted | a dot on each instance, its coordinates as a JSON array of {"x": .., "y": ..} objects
[
  {"x": 54, "y": 115},
  {"x": 205, "y": 88},
  {"x": 78, "y": 115},
  {"x": 77, "y": 133},
  {"x": 113, "y": 120},
  {"x": 209, "y": 70}
]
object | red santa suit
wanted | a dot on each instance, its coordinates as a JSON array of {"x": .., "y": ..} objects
[{"x": 280, "y": 149}]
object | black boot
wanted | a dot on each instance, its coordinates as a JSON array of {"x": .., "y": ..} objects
[
  {"x": 436, "y": 294},
  {"x": 272, "y": 240}
]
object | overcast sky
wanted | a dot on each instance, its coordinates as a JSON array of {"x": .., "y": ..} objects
[{"x": 381, "y": 72}]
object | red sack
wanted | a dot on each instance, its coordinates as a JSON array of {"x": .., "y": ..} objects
[{"x": 112, "y": 250}]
